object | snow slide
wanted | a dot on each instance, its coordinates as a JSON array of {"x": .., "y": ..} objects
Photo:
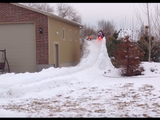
[{"x": 15, "y": 85}]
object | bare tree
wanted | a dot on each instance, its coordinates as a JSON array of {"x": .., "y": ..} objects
[
  {"x": 62, "y": 9},
  {"x": 150, "y": 17},
  {"x": 107, "y": 27},
  {"x": 65, "y": 10},
  {"x": 157, "y": 11},
  {"x": 129, "y": 29},
  {"x": 142, "y": 31},
  {"x": 87, "y": 31},
  {"x": 41, "y": 6}
]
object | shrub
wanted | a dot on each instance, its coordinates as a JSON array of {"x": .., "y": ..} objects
[{"x": 128, "y": 57}]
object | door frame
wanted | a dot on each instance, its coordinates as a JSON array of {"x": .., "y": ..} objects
[{"x": 56, "y": 54}]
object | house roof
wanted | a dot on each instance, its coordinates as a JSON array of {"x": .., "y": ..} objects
[{"x": 49, "y": 14}]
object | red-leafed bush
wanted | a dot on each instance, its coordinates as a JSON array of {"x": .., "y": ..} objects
[{"x": 128, "y": 57}]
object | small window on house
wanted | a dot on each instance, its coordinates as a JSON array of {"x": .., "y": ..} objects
[
  {"x": 63, "y": 33},
  {"x": 76, "y": 36},
  {"x": 70, "y": 35}
]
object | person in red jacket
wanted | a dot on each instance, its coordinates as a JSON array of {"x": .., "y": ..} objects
[{"x": 90, "y": 37}]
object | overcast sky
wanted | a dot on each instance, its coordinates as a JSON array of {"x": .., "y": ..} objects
[{"x": 122, "y": 14}]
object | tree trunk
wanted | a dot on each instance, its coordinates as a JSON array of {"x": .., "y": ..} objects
[{"x": 149, "y": 33}]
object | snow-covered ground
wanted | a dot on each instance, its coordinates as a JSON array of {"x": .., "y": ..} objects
[{"x": 93, "y": 88}]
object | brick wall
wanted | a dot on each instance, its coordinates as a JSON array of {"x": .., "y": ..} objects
[{"x": 13, "y": 13}]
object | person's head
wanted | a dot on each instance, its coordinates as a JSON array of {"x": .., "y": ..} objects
[
  {"x": 90, "y": 37},
  {"x": 99, "y": 33}
]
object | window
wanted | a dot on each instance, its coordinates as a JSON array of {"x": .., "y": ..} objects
[
  {"x": 70, "y": 35},
  {"x": 63, "y": 33},
  {"x": 76, "y": 36}
]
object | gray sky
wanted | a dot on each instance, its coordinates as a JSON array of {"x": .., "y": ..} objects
[{"x": 122, "y": 14}]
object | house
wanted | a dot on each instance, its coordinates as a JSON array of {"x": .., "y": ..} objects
[{"x": 35, "y": 39}]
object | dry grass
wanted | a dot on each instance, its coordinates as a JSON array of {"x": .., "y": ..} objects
[{"x": 93, "y": 102}]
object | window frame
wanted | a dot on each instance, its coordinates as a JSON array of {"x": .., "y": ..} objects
[
  {"x": 70, "y": 35},
  {"x": 76, "y": 36},
  {"x": 63, "y": 33}
]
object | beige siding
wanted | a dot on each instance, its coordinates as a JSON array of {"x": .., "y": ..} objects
[
  {"x": 69, "y": 50},
  {"x": 19, "y": 41}
]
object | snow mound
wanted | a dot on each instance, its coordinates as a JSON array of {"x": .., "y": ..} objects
[
  {"x": 103, "y": 61},
  {"x": 17, "y": 85}
]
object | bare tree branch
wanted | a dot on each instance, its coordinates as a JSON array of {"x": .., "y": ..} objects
[
  {"x": 65, "y": 10},
  {"x": 41, "y": 6},
  {"x": 107, "y": 27}
]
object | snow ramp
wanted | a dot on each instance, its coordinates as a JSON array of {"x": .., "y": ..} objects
[{"x": 15, "y": 85}]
